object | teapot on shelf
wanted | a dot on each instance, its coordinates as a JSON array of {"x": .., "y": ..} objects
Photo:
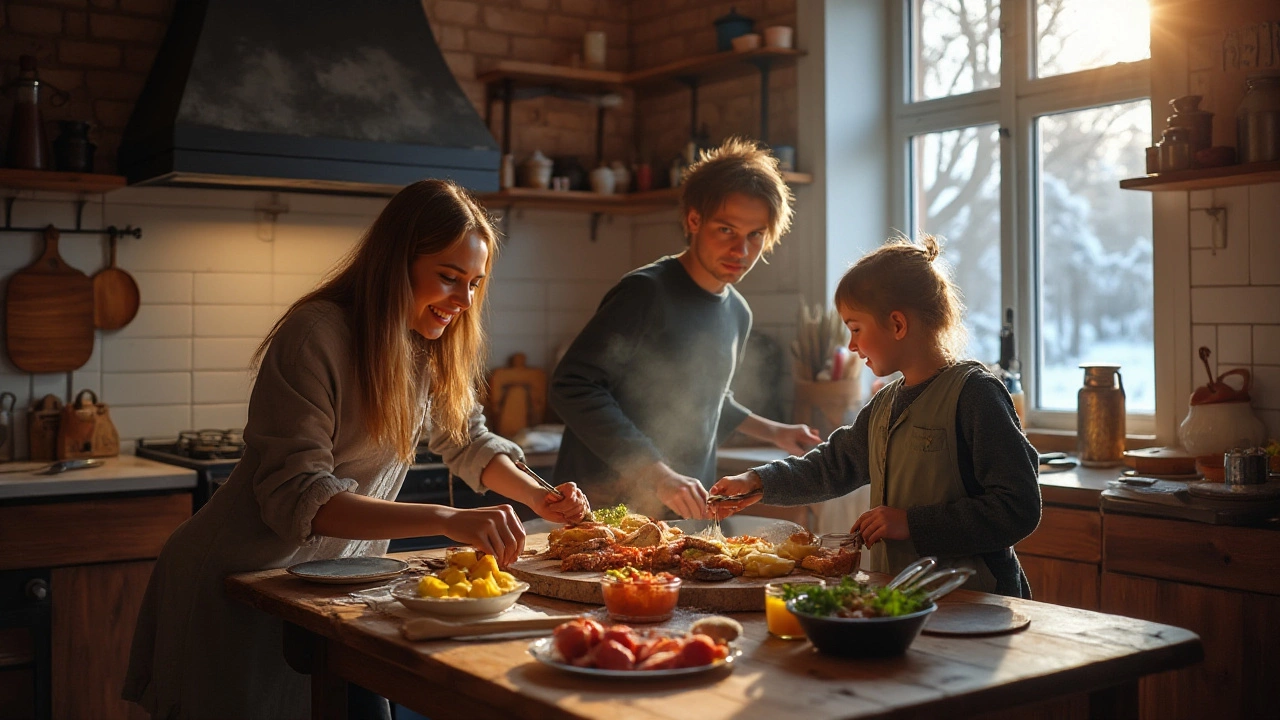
[{"x": 1220, "y": 416}]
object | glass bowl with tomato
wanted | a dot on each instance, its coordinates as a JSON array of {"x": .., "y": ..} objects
[{"x": 639, "y": 596}]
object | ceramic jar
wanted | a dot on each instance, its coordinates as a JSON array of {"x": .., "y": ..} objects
[
  {"x": 536, "y": 171},
  {"x": 621, "y": 177},
  {"x": 72, "y": 150},
  {"x": 1215, "y": 428},
  {"x": 1100, "y": 418},
  {"x": 1258, "y": 119},
  {"x": 602, "y": 180},
  {"x": 1187, "y": 114}
]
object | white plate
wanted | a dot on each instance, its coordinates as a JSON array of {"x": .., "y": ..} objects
[
  {"x": 406, "y": 591},
  {"x": 544, "y": 651},
  {"x": 348, "y": 570}
]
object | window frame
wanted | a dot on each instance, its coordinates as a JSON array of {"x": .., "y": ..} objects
[{"x": 1014, "y": 107}]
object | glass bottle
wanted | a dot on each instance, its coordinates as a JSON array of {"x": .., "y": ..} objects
[{"x": 28, "y": 146}]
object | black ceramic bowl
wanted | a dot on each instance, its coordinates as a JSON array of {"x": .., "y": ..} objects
[{"x": 862, "y": 637}]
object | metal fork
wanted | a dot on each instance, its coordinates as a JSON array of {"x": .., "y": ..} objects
[{"x": 588, "y": 516}]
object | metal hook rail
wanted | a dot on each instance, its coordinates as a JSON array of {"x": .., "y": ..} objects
[{"x": 112, "y": 230}]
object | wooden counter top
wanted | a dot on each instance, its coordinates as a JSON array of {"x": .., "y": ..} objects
[
  {"x": 124, "y": 473},
  {"x": 1062, "y": 653}
]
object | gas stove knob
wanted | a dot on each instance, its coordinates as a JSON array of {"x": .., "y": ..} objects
[{"x": 37, "y": 589}]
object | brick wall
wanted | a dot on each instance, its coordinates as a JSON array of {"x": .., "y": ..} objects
[{"x": 98, "y": 51}]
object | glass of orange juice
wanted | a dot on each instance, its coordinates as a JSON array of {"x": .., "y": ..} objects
[{"x": 779, "y": 619}]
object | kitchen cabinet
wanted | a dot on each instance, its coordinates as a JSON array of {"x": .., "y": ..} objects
[
  {"x": 1219, "y": 582},
  {"x": 509, "y": 81},
  {"x": 1062, "y": 558},
  {"x": 94, "y": 556}
]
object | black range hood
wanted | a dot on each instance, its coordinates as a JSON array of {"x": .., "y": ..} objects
[{"x": 330, "y": 96}]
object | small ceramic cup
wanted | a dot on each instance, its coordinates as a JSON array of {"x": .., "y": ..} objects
[
  {"x": 743, "y": 43},
  {"x": 777, "y": 36}
]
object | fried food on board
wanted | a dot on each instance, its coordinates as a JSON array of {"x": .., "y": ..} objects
[{"x": 631, "y": 540}]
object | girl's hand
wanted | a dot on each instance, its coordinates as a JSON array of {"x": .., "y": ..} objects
[
  {"x": 567, "y": 511},
  {"x": 882, "y": 523},
  {"x": 797, "y": 439},
  {"x": 495, "y": 530},
  {"x": 735, "y": 485}
]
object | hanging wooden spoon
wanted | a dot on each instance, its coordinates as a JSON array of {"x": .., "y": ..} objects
[{"x": 115, "y": 294}]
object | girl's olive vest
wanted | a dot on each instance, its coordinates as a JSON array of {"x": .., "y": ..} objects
[{"x": 914, "y": 462}]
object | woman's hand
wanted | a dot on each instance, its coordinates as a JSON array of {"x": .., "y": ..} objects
[
  {"x": 882, "y": 523},
  {"x": 735, "y": 485},
  {"x": 495, "y": 530},
  {"x": 566, "y": 511},
  {"x": 796, "y": 439}
]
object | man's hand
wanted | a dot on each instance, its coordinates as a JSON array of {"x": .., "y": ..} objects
[
  {"x": 684, "y": 495},
  {"x": 566, "y": 511},
  {"x": 796, "y": 439},
  {"x": 735, "y": 485},
  {"x": 882, "y": 523}
]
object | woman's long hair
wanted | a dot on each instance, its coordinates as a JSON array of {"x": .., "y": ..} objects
[{"x": 372, "y": 286}]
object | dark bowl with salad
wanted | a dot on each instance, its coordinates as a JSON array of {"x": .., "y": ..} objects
[{"x": 855, "y": 620}]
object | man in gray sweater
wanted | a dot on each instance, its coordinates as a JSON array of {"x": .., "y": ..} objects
[{"x": 644, "y": 389}]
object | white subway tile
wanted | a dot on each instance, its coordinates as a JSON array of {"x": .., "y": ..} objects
[
  {"x": 1224, "y": 266},
  {"x": 222, "y": 387},
  {"x": 1251, "y": 305},
  {"x": 577, "y": 295},
  {"x": 1203, "y": 336},
  {"x": 534, "y": 348},
  {"x": 516, "y": 322},
  {"x": 507, "y": 294},
  {"x": 1272, "y": 420},
  {"x": 152, "y": 421},
  {"x": 243, "y": 321},
  {"x": 286, "y": 288},
  {"x": 19, "y": 384},
  {"x": 1266, "y": 387},
  {"x": 140, "y": 389},
  {"x": 223, "y": 353},
  {"x": 233, "y": 288},
  {"x": 1199, "y": 199},
  {"x": 157, "y": 321},
  {"x": 307, "y": 245},
  {"x": 1235, "y": 344},
  {"x": 159, "y": 288},
  {"x": 195, "y": 240},
  {"x": 49, "y": 384},
  {"x": 1200, "y": 229},
  {"x": 1264, "y": 227},
  {"x": 1266, "y": 344},
  {"x": 87, "y": 380},
  {"x": 220, "y": 416},
  {"x": 145, "y": 354}
]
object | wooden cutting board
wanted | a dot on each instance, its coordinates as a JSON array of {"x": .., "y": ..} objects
[
  {"x": 1160, "y": 461},
  {"x": 741, "y": 594},
  {"x": 963, "y": 618},
  {"x": 517, "y": 397},
  {"x": 49, "y": 313}
]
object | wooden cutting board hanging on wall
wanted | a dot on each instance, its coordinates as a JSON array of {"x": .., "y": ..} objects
[
  {"x": 49, "y": 313},
  {"x": 517, "y": 397}
]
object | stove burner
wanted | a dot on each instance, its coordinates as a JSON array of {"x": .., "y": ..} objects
[{"x": 210, "y": 444}]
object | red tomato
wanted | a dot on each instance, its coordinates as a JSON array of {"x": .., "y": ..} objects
[
  {"x": 623, "y": 635},
  {"x": 698, "y": 650},
  {"x": 644, "y": 648},
  {"x": 664, "y": 660},
  {"x": 613, "y": 655},
  {"x": 576, "y": 637}
]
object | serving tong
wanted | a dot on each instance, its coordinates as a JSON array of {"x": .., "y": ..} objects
[
  {"x": 734, "y": 498},
  {"x": 587, "y": 516},
  {"x": 916, "y": 578}
]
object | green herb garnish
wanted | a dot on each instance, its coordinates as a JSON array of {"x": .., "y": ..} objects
[
  {"x": 611, "y": 516},
  {"x": 850, "y": 595}
]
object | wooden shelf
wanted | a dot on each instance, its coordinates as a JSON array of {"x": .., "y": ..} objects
[
  {"x": 637, "y": 203},
  {"x": 1206, "y": 178},
  {"x": 722, "y": 64},
  {"x": 60, "y": 181}
]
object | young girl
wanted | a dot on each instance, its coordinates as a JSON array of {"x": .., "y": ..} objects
[
  {"x": 388, "y": 347},
  {"x": 951, "y": 473}
]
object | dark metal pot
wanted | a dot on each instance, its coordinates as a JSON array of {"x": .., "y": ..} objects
[{"x": 862, "y": 637}]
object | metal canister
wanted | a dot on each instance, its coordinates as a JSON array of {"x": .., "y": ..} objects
[
  {"x": 1100, "y": 416},
  {"x": 1244, "y": 467},
  {"x": 7, "y": 400}
]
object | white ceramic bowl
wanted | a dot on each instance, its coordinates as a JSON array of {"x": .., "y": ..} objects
[{"x": 406, "y": 591}]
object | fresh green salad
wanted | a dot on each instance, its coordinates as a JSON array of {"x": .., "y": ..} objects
[
  {"x": 852, "y": 599},
  {"x": 611, "y": 516}
]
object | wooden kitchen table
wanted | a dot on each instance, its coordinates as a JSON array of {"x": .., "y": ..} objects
[{"x": 1064, "y": 652}]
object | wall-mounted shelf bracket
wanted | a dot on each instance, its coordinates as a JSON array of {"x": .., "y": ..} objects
[{"x": 126, "y": 231}]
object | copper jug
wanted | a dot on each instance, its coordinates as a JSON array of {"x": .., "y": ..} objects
[{"x": 1100, "y": 416}]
